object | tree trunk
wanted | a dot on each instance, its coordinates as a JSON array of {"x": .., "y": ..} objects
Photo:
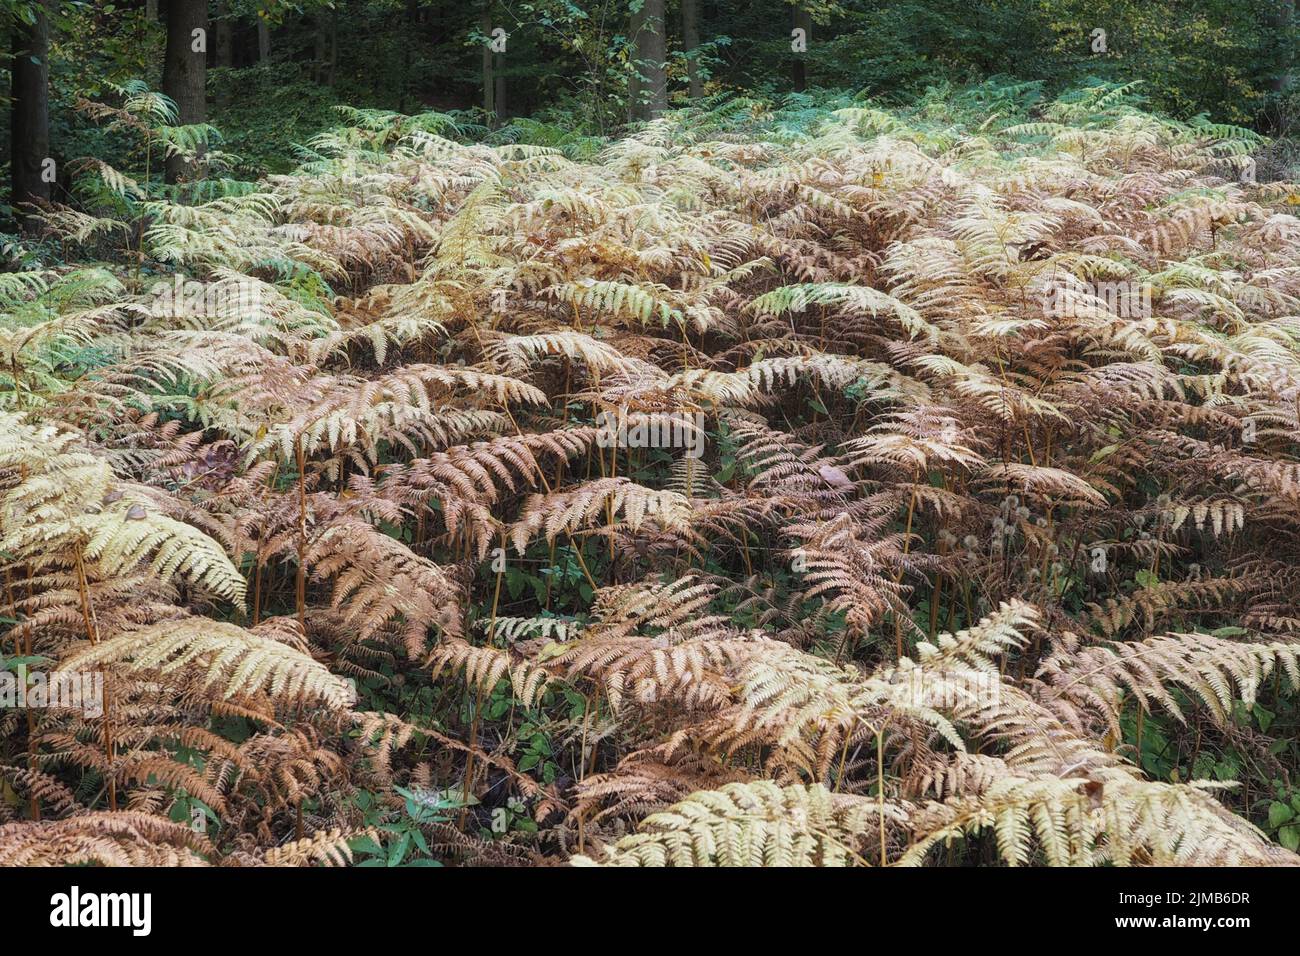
[
  {"x": 321, "y": 39},
  {"x": 799, "y": 68},
  {"x": 225, "y": 40},
  {"x": 225, "y": 35},
  {"x": 185, "y": 72},
  {"x": 499, "y": 81},
  {"x": 30, "y": 120},
  {"x": 1281, "y": 20},
  {"x": 654, "y": 53},
  {"x": 334, "y": 48},
  {"x": 635, "y": 108},
  {"x": 263, "y": 40},
  {"x": 404, "y": 89},
  {"x": 151, "y": 9},
  {"x": 648, "y": 86},
  {"x": 489, "y": 81},
  {"x": 691, "y": 43}
]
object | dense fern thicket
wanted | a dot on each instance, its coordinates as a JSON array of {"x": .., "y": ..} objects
[{"x": 989, "y": 555}]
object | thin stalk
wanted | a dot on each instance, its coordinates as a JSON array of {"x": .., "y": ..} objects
[
  {"x": 478, "y": 702},
  {"x": 92, "y": 634},
  {"x": 880, "y": 790},
  {"x": 301, "y": 589}
]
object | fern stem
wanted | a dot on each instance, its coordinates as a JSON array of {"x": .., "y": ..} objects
[
  {"x": 880, "y": 790},
  {"x": 907, "y": 541},
  {"x": 1137, "y": 756},
  {"x": 577, "y": 552},
  {"x": 18, "y": 391},
  {"x": 257, "y": 586},
  {"x": 844, "y": 752},
  {"x": 301, "y": 577},
  {"x": 21, "y": 647},
  {"x": 92, "y": 634},
  {"x": 478, "y": 701}
]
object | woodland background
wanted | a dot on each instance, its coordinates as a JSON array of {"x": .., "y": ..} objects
[{"x": 275, "y": 70}]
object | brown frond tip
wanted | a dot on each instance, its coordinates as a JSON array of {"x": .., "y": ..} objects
[
  {"x": 103, "y": 839},
  {"x": 326, "y": 848}
]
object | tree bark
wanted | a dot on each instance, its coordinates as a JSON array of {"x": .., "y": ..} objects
[
  {"x": 648, "y": 87},
  {"x": 499, "y": 95},
  {"x": 691, "y": 43},
  {"x": 1281, "y": 20},
  {"x": 185, "y": 73},
  {"x": 334, "y": 48},
  {"x": 635, "y": 108},
  {"x": 225, "y": 53},
  {"x": 489, "y": 81},
  {"x": 263, "y": 40},
  {"x": 404, "y": 83},
  {"x": 654, "y": 53},
  {"x": 802, "y": 20},
  {"x": 321, "y": 39},
  {"x": 30, "y": 118},
  {"x": 225, "y": 35}
]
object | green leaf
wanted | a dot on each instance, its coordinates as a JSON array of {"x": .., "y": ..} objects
[
  {"x": 1263, "y": 716},
  {"x": 422, "y": 843},
  {"x": 13, "y": 663},
  {"x": 397, "y": 852},
  {"x": 1279, "y": 813},
  {"x": 1226, "y": 769},
  {"x": 364, "y": 844},
  {"x": 515, "y": 582},
  {"x": 180, "y": 811},
  {"x": 1289, "y": 837}
]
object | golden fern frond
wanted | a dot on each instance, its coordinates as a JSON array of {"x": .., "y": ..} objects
[
  {"x": 754, "y": 824},
  {"x": 377, "y": 581},
  {"x": 570, "y": 510},
  {"x": 1213, "y": 670},
  {"x": 122, "y": 838},
  {"x": 855, "y": 298},
  {"x": 1098, "y": 819},
  {"x": 129, "y": 536},
  {"x": 483, "y": 667},
  {"x": 227, "y": 656},
  {"x": 326, "y": 848}
]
